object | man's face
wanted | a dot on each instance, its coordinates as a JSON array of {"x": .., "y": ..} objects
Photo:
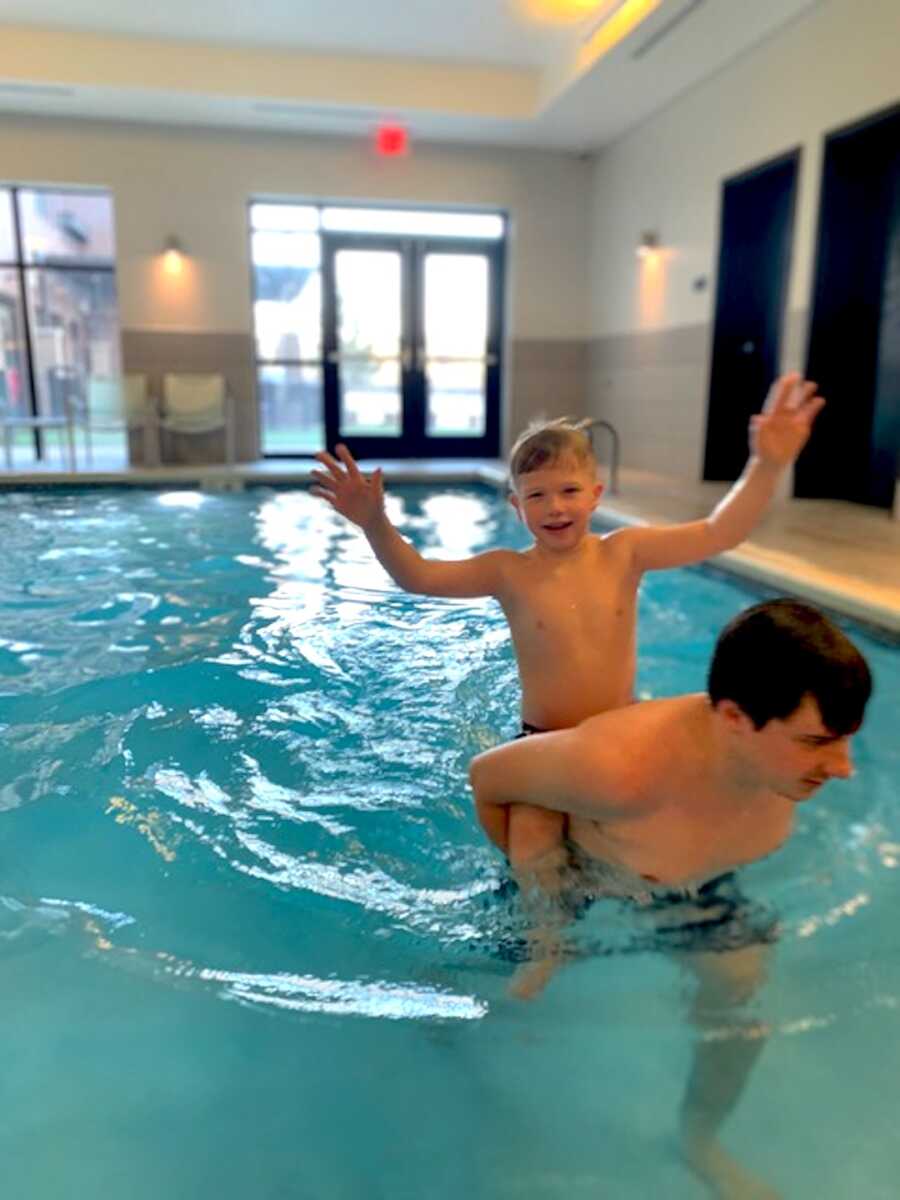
[
  {"x": 556, "y": 502},
  {"x": 798, "y": 754}
]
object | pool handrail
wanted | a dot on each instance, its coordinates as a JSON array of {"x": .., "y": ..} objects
[{"x": 613, "y": 488}]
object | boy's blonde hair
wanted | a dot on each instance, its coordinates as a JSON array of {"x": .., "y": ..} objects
[{"x": 545, "y": 442}]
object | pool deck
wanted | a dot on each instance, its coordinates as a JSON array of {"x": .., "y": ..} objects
[{"x": 843, "y": 556}]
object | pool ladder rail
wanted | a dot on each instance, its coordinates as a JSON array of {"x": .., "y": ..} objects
[{"x": 613, "y": 488}]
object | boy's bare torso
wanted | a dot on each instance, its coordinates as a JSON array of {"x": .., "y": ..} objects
[
  {"x": 681, "y": 825},
  {"x": 572, "y": 619}
]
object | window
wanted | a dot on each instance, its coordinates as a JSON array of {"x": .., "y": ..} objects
[
  {"x": 59, "y": 332},
  {"x": 379, "y": 327}
]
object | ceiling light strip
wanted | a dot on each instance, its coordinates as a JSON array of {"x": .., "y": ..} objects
[
  {"x": 614, "y": 30},
  {"x": 605, "y": 13}
]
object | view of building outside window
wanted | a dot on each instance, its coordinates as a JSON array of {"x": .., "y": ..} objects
[
  {"x": 456, "y": 331},
  {"x": 287, "y": 317},
  {"x": 369, "y": 304},
  {"x": 59, "y": 330}
]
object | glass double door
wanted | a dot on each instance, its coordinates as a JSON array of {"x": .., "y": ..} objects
[{"x": 412, "y": 346}]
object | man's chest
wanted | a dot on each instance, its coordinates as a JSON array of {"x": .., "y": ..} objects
[{"x": 681, "y": 843}]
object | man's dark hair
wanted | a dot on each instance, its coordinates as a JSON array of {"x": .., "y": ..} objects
[{"x": 773, "y": 654}]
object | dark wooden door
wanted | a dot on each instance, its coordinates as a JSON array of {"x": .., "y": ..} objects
[
  {"x": 754, "y": 257},
  {"x": 854, "y": 341}
]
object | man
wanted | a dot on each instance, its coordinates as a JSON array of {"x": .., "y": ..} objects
[{"x": 669, "y": 796}]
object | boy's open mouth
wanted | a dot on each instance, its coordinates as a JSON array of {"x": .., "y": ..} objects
[{"x": 557, "y": 526}]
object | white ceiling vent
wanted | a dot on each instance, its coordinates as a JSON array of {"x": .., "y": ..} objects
[
  {"x": 314, "y": 112},
  {"x": 35, "y": 89}
]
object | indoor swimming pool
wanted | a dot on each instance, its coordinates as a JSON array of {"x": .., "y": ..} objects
[{"x": 253, "y": 943}]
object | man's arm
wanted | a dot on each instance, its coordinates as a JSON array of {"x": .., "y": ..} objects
[
  {"x": 777, "y": 435},
  {"x": 361, "y": 500},
  {"x": 572, "y": 771}
]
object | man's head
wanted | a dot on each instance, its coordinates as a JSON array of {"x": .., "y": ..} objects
[
  {"x": 553, "y": 481},
  {"x": 794, "y": 688}
]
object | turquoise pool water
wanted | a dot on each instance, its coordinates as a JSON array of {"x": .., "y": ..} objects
[{"x": 250, "y": 937}]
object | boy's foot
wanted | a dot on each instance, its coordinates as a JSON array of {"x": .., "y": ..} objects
[{"x": 532, "y": 977}]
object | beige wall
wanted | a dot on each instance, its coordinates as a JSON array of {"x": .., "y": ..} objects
[
  {"x": 651, "y": 332},
  {"x": 196, "y": 183}
]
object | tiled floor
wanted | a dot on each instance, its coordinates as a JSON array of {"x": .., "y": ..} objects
[{"x": 841, "y": 555}]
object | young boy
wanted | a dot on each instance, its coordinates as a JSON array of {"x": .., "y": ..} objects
[{"x": 571, "y": 598}]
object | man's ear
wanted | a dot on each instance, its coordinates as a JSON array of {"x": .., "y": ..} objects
[{"x": 734, "y": 717}]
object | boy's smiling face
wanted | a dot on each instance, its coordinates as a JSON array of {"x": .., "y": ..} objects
[{"x": 556, "y": 501}]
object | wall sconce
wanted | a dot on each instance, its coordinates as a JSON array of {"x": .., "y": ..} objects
[
  {"x": 173, "y": 256},
  {"x": 648, "y": 244}
]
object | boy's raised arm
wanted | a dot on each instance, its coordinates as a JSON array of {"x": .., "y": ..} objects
[
  {"x": 777, "y": 435},
  {"x": 361, "y": 500}
]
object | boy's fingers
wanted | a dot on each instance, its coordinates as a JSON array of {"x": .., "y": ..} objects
[
  {"x": 782, "y": 393},
  {"x": 322, "y": 479},
  {"x": 810, "y": 393},
  {"x": 322, "y": 494},
  {"x": 814, "y": 407},
  {"x": 348, "y": 460},
  {"x": 331, "y": 463},
  {"x": 805, "y": 394}
]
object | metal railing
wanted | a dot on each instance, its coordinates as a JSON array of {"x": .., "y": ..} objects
[{"x": 614, "y": 455}]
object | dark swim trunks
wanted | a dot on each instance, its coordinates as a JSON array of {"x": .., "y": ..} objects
[
  {"x": 712, "y": 919},
  {"x": 717, "y": 917},
  {"x": 528, "y": 730}
]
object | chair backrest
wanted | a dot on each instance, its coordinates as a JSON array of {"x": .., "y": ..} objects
[
  {"x": 117, "y": 400},
  {"x": 194, "y": 403}
]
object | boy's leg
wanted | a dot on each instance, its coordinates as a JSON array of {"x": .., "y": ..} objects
[
  {"x": 533, "y": 834},
  {"x": 538, "y": 856},
  {"x": 494, "y": 821},
  {"x": 525, "y": 835},
  {"x": 533, "y": 840}
]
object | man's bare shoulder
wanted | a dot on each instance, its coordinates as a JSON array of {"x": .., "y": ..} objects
[{"x": 634, "y": 745}]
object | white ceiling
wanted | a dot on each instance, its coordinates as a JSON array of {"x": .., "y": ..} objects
[
  {"x": 488, "y": 31},
  {"x": 528, "y": 89}
]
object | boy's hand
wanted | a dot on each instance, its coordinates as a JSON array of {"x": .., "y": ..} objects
[
  {"x": 347, "y": 490},
  {"x": 782, "y": 429}
]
